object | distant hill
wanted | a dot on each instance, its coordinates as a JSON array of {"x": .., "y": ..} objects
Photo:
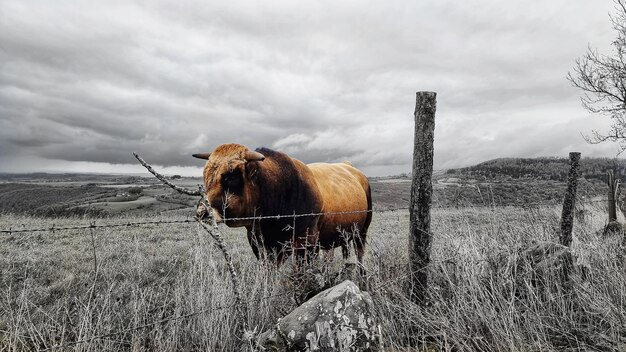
[
  {"x": 523, "y": 181},
  {"x": 501, "y": 182},
  {"x": 555, "y": 169}
]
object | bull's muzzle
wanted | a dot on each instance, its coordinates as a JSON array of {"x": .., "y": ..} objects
[{"x": 216, "y": 215}]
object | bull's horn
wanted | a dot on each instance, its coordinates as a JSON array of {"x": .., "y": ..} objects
[
  {"x": 253, "y": 156},
  {"x": 204, "y": 156}
]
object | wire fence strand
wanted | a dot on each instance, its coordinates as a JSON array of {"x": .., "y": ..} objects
[
  {"x": 184, "y": 221},
  {"x": 53, "y": 228},
  {"x": 94, "y": 226}
]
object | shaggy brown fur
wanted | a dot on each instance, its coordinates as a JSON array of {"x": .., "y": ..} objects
[{"x": 241, "y": 183}]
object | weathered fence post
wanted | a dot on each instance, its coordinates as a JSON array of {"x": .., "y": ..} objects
[
  {"x": 567, "y": 216},
  {"x": 421, "y": 192},
  {"x": 613, "y": 226},
  {"x": 613, "y": 185}
]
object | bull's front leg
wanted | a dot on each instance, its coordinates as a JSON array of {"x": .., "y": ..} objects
[
  {"x": 255, "y": 243},
  {"x": 306, "y": 247}
]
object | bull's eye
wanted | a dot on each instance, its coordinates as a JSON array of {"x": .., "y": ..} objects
[{"x": 232, "y": 181}]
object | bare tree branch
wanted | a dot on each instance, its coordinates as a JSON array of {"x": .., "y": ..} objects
[
  {"x": 214, "y": 232},
  {"x": 240, "y": 304},
  {"x": 162, "y": 178},
  {"x": 602, "y": 79}
]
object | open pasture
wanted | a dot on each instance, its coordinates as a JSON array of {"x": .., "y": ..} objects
[{"x": 166, "y": 286}]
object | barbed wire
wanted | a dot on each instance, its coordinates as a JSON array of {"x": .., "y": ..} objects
[
  {"x": 163, "y": 179},
  {"x": 94, "y": 226},
  {"x": 187, "y": 220},
  {"x": 276, "y": 217}
]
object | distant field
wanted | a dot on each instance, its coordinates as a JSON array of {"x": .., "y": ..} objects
[
  {"x": 91, "y": 195},
  {"x": 113, "y": 195}
]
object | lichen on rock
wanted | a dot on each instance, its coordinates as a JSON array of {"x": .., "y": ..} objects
[{"x": 337, "y": 319}]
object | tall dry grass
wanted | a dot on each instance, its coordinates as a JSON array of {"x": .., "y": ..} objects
[{"x": 54, "y": 292}]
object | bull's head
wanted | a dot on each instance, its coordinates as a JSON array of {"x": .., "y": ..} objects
[{"x": 230, "y": 179}]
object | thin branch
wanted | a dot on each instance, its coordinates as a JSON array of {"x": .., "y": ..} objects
[
  {"x": 213, "y": 231},
  {"x": 164, "y": 180},
  {"x": 240, "y": 304},
  {"x": 602, "y": 81}
]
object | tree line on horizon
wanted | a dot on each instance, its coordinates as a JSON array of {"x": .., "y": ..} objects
[{"x": 543, "y": 168}]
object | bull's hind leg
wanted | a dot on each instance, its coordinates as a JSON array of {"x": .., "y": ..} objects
[
  {"x": 360, "y": 240},
  {"x": 359, "y": 247},
  {"x": 345, "y": 244},
  {"x": 345, "y": 251}
]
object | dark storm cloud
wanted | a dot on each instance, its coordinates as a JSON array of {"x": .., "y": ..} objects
[{"x": 326, "y": 81}]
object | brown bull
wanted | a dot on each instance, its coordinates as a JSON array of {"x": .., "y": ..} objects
[{"x": 241, "y": 183}]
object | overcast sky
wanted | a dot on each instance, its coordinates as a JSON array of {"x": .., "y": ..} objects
[{"x": 83, "y": 84}]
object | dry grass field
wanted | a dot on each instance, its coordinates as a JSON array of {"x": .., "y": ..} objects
[{"x": 119, "y": 289}]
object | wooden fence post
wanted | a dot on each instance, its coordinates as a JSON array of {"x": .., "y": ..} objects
[
  {"x": 567, "y": 216},
  {"x": 613, "y": 185},
  {"x": 421, "y": 193},
  {"x": 613, "y": 226}
]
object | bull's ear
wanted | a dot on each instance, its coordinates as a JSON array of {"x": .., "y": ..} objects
[
  {"x": 252, "y": 170},
  {"x": 204, "y": 156}
]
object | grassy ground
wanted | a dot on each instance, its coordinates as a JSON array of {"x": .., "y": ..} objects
[{"x": 65, "y": 286}]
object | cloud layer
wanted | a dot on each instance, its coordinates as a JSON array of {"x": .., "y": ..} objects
[{"x": 85, "y": 83}]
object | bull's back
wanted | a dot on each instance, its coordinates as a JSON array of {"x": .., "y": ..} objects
[{"x": 343, "y": 188}]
